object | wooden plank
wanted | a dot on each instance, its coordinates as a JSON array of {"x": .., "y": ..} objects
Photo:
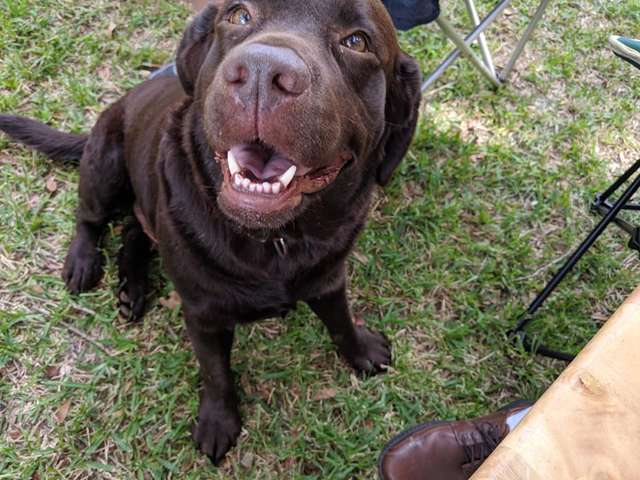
[{"x": 587, "y": 424}]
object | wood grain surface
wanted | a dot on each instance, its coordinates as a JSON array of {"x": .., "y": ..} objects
[{"x": 587, "y": 424}]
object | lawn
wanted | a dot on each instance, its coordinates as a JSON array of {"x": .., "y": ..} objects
[{"x": 493, "y": 194}]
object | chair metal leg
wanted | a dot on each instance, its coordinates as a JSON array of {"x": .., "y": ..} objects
[
  {"x": 453, "y": 56},
  {"x": 506, "y": 72},
  {"x": 459, "y": 41},
  {"x": 482, "y": 41},
  {"x": 610, "y": 212},
  {"x": 486, "y": 67}
]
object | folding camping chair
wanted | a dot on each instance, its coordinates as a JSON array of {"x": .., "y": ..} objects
[
  {"x": 410, "y": 13},
  {"x": 604, "y": 205}
]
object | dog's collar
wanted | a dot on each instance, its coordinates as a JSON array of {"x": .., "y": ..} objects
[
  {"x": 275, "y": 238},
  {"x": 281, "y": 246}
]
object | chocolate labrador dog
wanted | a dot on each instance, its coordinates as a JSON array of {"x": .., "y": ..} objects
[{"x": 252, "y": 172}]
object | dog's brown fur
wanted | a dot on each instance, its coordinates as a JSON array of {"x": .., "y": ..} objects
[
  {"x": 197, "y": 5},
  {"x": 348, "y": 114}
]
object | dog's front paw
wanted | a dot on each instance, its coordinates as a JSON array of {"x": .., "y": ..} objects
[
  {"x": 217, "y": 430},
  {"x": 371, "y": 354},
  {"x": 83, "y": 266}
]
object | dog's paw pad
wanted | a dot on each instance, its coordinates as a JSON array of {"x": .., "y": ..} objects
[
  {"x": 131, "y": 303},
  {"x": 372, "y": 354},
  {"x": 216, "y": 432},
  {"x": 82, "y": 268}
]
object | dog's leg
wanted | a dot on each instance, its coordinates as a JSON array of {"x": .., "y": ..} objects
[
  {"x": 104, "y": 189},
  {"x": 83, "y": 266},
  {"x": 133, "y": 270},
  {"x": 365, "y": 350},
  {"x": 218, "y": 424}
]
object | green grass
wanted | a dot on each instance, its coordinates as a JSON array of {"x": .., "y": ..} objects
[{"x": 493, "y": 193}]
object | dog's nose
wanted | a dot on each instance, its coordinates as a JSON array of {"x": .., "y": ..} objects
[{"x": 266, "y": 72}]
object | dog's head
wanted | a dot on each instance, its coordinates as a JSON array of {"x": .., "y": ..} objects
[{"x": 297, "y": 97}]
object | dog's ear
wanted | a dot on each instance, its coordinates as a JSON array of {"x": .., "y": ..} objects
[
  {"x": 401, "y": 116},
  {"x": 194, "y": 47}
]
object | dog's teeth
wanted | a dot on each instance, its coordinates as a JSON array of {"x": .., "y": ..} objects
[
  {"x": 287, "y": 176},
  {"x": 275, "y": 188},
  {"x": 233, "y": 163}
]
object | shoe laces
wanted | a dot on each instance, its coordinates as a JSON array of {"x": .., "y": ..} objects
[{"x": 480, "y": 444}]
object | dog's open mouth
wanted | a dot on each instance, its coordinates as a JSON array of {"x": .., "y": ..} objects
[{"x": 259, "y": 178}]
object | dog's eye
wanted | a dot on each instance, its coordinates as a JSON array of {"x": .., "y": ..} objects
[
  {"x": 240, "y": 16},
  {"x": 357, "y": 42}
]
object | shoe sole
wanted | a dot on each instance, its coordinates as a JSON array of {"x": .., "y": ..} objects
[
  {"x": 403, "y": 435},
  {"x": 626, "y": 53}
]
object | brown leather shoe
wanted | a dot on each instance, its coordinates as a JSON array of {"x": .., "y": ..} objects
[{"x": 445, "y": 450}]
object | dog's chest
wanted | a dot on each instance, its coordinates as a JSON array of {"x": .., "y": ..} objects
[
  {"x": 273, "y": 282},
  {"x": 260, "y": 295}
]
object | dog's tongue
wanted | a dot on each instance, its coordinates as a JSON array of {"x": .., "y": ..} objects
[{"x": 261, "y": 162}]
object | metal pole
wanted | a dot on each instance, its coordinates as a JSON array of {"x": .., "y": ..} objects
[
  {"x": 482, "y": 41},
  {"x": 469, "y": 39},
  {"x": 619, "y": 182},
  {"x": 580, "y": 251},
  {"x": 623, "y": 224},
  {"x": 506, "y": 72},
  {"x": 450, "y": 32}
]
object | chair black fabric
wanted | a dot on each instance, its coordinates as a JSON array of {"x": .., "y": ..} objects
[{"x": 407, "y": 14}]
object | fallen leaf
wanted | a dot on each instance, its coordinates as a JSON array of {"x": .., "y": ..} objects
[
  {"x": 111, "y": 28},
  {"x": 51, "y": 184},
  {"x": 52, "y": 371},
  {"x": 325, "y": 394},
  {"x": 361, "y": 257},
  {"x": 6, "y": 159},
  {"x": 171, "y": 302},
  {"x": 271, "y": 331},
  {"x": 288, "y": 465},
  {"x": 265, "y": 391},
  {"x": 247, "y": 460},
  {"x": 104, "y": 72},
  {"x": 63, "y": 411},
  {"x": 51, "y": 266}
]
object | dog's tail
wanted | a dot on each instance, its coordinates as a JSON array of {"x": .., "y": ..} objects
[{"x": 64, "y": 147}]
